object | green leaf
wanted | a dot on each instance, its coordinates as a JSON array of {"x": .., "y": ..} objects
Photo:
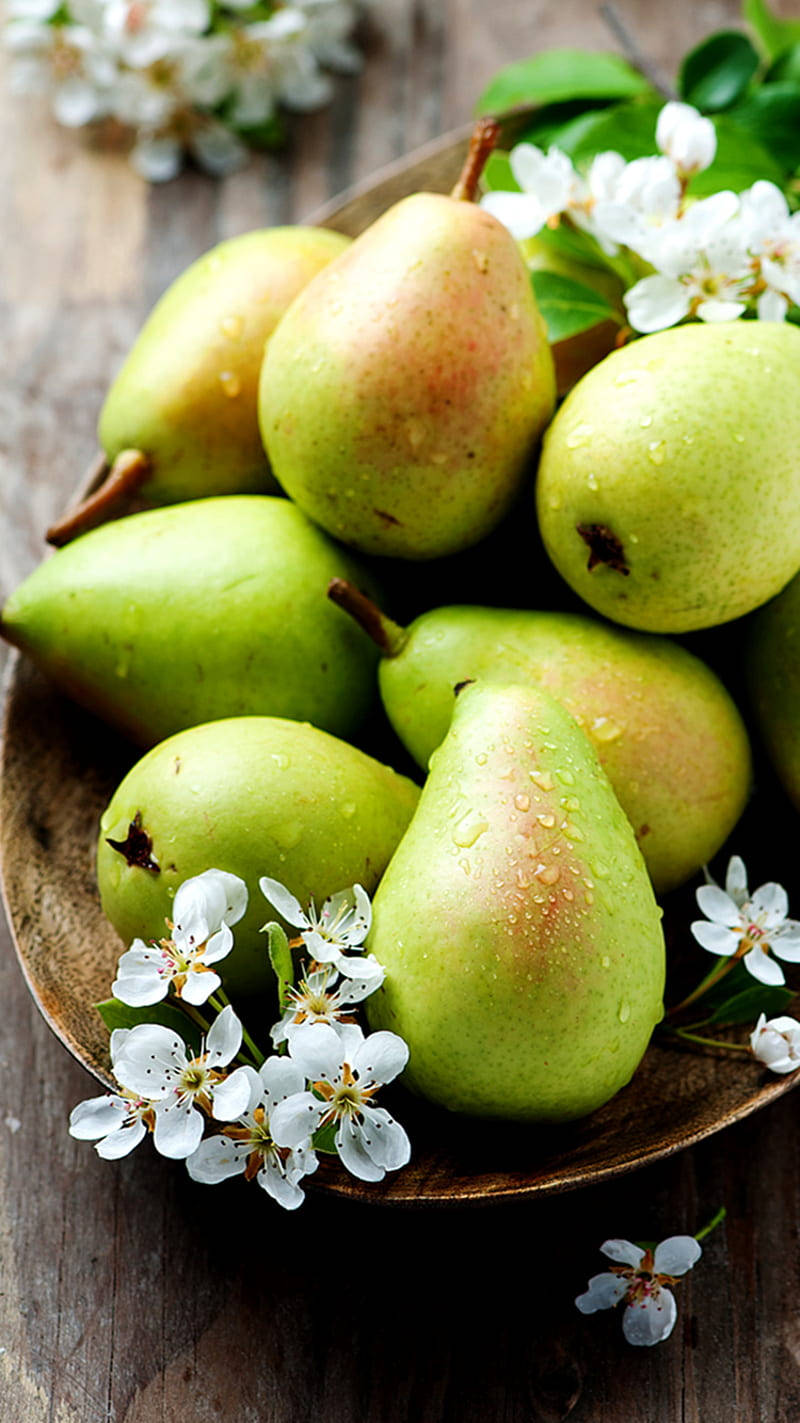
[
  {"x": 744, "y": 1007},
  {"x": 567, "y": 306},
  {"x": 717, "y": 72},
  {"x": 786, "y": 67},
  {"x": 771, "y": 115},
  {"x": 121, "y": 1015},
  {"x": 497, "y": 174},
  {"x": 280, "y": 956},
  {"x": 773, "y": 35},
  {"x": 323, "y": 1139},
  {"x": 740, "y": 160},
  {"x": 558, "y": 75}
]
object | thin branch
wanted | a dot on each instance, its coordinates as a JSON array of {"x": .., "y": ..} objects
[{"x": 641, "y": 61}]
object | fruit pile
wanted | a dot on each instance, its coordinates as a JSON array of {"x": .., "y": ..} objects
[{"x": 574, "y": 766}]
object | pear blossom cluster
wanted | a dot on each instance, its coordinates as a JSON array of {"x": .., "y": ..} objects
[
  {"x": 221, "y": 1106},
  {"x": 713, "y": 259},
  {"x": 185, "y": 76}
]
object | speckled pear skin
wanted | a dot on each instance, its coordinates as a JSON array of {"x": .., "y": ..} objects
[
  {"x": 254, "y": 796},
  {"x": 187, "y": 392},
  {"x": 208, "y": 609},
  {"x": 666, "y": 732},
  {"x": 670, "y": 455},
  {"x": 403, "y": 392},
  {"x": 522, "y": 944},
  {"x": 773, "y": 676}
]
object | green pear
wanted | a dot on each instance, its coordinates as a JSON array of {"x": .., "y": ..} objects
[
  {"x": 208, "y": 609},
  {"x": 669, "y": 484},
  {"x": 664, "y": 728},
  {"x": 186, "y": 395},
  {"x": 254, "y": 796},
  {"x": 773, "y": 674},
  {"x": 403, "y": 392},
  {"x": 521, "y": 941}
]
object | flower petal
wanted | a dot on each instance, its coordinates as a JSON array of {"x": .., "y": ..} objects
[
  {"x": 365, "y": 969},
  {"x": 715, "y": 938},
  {"x": 736, "y": 881},
  {"x": 604, "y": 1291},
  {"x": 295, "y": 1120},
  {"x": 353, "y": 1153},
  {"x": 285, "y": 903},
  {"x": 318, "y": 1051},
  {"x": 198, "y": 987},
  {"x": 655, "y": 303},
  {"x": 380, "y": 1057},
  {"x": 219, "y": 946},
  {"x": 769, "y": 905},
  {"x": 624, "y": 1252},
  {"x": 232, "y": 1096},
  {"x": 717, "y": 905},
  {"x": 97, "y": 1116},
  {"x": 178, "y": 1130},
  {"x": 279, "y": 1078},
  {"x": 151, "y": 1059},
  {"x": 119, "y": 1143},
  {"x": 281, "y": 1185},
  {"x": 217, "y": 1159},
  {"x": 384, "y": 1140},
  {"x": 676, "y": 1255},
  {"x": 651, "y": 1321},
  {"x": 224, "y": 1038},
  {"x": 521, "y": 213},
  {"x": 764, "y": 968}
]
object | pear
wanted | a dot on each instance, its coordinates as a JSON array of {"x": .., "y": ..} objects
[
  {"x": 664, "y": 728},
  {"x": 521, "y": 941},
  {"x": 773, "y": 674},
  {"x": 403, "y": 392},
  {"x": 254, "y": 796},
  {"x": 186, "y": 395},
  {"x": 669, "y": 483},
  {"x": 208, "y": 609}
]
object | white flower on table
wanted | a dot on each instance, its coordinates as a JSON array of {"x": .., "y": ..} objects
[
  {"x": 146, "y": 31},
  {"x": 115, "y": 1121},
  {"x": 318, "y": 998},
  {"x": 204, "y": 907},
  {"x": 67, "y": 62},
  {"x": 688, "y": 139},
  {"x": 749, "y": 927},
  {"x": 341, "y": 925},
  {"x": 777, "y": 1043},
  {"x": 641, "y": 1278},
  {"x": 346, "y": 1069},
  {"x": 155, "y": 1063},
  {"x": 247, "y": 1148}
]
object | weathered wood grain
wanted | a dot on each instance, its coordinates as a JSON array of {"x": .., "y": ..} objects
[{"x": 126, "y": 1293}]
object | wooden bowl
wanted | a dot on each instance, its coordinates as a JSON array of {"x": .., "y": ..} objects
[{"x": 59, "y": 768}]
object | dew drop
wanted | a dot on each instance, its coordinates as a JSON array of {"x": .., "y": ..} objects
[
  {"x": 646, "y": 421},
  {"x": 230, "y": 383},
  {"x": 348, "y": 809},
  {"x": 656, "y": 451},
  {"x": 592, "y": 482},
  {"x": 522, "y": 801},
  {"x": 604, "y": 729},
  {"x": 280, "y": 758},
  {"x": 605, "y": 961},
  {"x": 232, "y": 326},
  {"x": 624, "y": 1011},
  {"x": 468, "y": 829},
  {"x": 548, "y": 874},
  {"x": 548, "y": 821},
  {"x": 581, "y": 435},
  {"x": 542, "y": 779},
  {"x": 566, "y": 777},
  {"x": 481, "y": 759}
]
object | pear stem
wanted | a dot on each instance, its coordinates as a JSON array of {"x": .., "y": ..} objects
[
  {"x": 388, "y": 636},
  {"x": 482, "y": 140},
  {"x": 127, "y": 473}
]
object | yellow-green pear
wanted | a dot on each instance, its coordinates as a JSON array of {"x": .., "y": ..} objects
[
  {"x": 516, "y": 923},
  {"x": 669, "y": 484},
  {"x": 665, "y": 730},
  {"x": 253, "y": 796},
  {"x": 186, "y": 395},
  {"x": 404, "y": 391},
  {"x": 207, "y": 609}
]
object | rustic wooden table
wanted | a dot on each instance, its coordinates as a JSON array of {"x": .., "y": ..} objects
[{"x": 127, "y": 1293}]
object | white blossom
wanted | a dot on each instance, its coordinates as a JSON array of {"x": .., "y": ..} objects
[
  {"x": 340, "y": 926},
  {"x": 155, "y": 1063},
  {"x": 641, "y": 1278},
  {"x": 777, "y": 1043},
  {"x": 345, "y": 1070},
  {"x": 204, "y": 907},
  {"x": 548, "y": 182},
  {"x": 751, "y": 927},
  {"x": 67, "y": 63},
  {"x": 246, "y": 1147},
  {"x": 319, "y": 998},
  {"x": 688, "y": 139},
  {"x": 115, "y": 1121}
]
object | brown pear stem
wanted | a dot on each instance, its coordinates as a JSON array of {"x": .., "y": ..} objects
[
  {"x": 388, "y": 636},
  {"x": 482, "y": 141},
  {"x": 122, "y": 482}
]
